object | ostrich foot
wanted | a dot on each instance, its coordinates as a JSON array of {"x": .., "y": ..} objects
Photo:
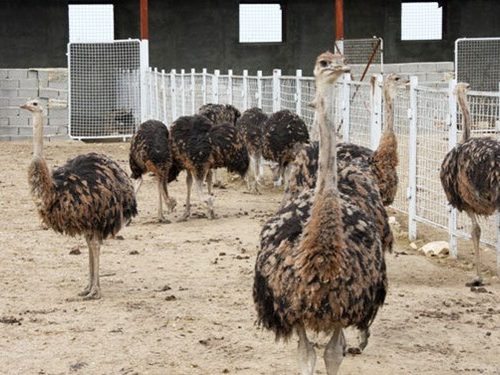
[
  {"x": 476, "y": 281},
  {"x": 85, "y": 291},
  {"x": 211, "y": 215},
  {"x": 185, "y": 216},
  {"x": 164, "y": 220},
  {"x": 363, "y": 336},
  {"x": 94, "y": 293},
  {"x": 354, "y": 350}
]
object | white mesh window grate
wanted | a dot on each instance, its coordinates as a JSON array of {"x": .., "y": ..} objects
[
  {"x": 104, "y": 83},
  {"x": 421, "y": 21},
  {"x": 91, "y": 23},
  {"x": 260, "y": 23}
]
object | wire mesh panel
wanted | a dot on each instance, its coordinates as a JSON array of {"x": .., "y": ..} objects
[
  {"x": 288, "y": 91},
  {"x": 104, "y": 89},
  {"x": 267, "y": 94},
  {"x": 238, "y": 93},
  {"x": 359, "y": 117},
  {"x": 307, "y": 96},
  {"x": 432, "y": 146},
  {"x": 477, "y": 62},
  {"x": 360, "y": 51}
]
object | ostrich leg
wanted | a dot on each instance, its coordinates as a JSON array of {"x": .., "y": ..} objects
[
  {"x": 171, "y": 202},
  {"x": 86, "y": 291},
  {"x": 476, "y": 235},
  {"x": 137, "y": 185},
  {"x": 207, "y": 199},
  {"x": 189, "y": 184},
  {"x": 334, "y": 351},
  {"x": 210, "y": 181},
  {"x": 307, "y": 355},
  {"x": 95, "y": 287},
  {"x": 161, "y": 218}
]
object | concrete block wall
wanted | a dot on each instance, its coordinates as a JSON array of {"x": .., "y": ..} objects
[{"x": 19, "y": 85}]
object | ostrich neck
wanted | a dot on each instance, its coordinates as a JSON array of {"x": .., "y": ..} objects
[
  {"x": 37, "y": 135},
  {"x": 327, "y": 168},
  {"x": 389, "y": 113},
  {"x": 462, "y": 101}
]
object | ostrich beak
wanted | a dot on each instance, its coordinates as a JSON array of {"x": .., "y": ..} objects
[{"x": 23, "y": 106}]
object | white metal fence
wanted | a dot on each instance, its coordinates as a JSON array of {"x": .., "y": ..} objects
[{"x": 427, "y": 124}]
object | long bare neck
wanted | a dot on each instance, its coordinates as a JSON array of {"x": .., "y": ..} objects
[
  {"x": 389, "y": 111},
  {"x": 327, "y": 159},
  {"x": 39, "y": 175},
  {"x": 37, "y": 135},
  {"x": 464, "y": 106}
]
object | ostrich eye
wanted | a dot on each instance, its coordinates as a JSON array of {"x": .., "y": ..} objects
[
  {"x": 35, "y": 104},
  {"x": 323, "y": 63}
]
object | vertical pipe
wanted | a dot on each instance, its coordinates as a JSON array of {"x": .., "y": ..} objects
[
  {"x": 339, "y": 19},
  {"x": 452, "y": 141},
  {"x": 412, "y": 162},
  {"x": 298, "y": 92},
  {"x": 144, "y": 20}
]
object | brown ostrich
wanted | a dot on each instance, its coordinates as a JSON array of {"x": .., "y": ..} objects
[
  {"x": 250, "y": 125},
  {"x": 220, "y": 113},
  {"x": 321, "y": 264},
  {"x": 199, "y": 146},
  {"x": 150, "y": 151},
  {"x": 90, "y": 195},
  {"x": 470, "y": 175},
  {"x": 283, "y": 132},
  {"x": 382, "y": 162}
]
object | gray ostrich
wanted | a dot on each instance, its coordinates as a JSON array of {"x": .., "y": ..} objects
[
  {"x": 321, "y": 264},
  {"x": 90, "y": 195},
  {"x": 470, "y": 176}
]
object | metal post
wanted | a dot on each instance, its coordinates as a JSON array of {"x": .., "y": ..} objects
[
  {"x": 204, "y": 86},
  {"x": 156, "y": 101},
  {"x": 245, "y": 89},
  {"x": 346, "y": 108},
  {"x": 215, "y": 87},
  {"x": 412, "y": 168},
  {"x": 183, "y": 93},
  {"x": 173, "y": 93},
  {"x": 144, "y": 66},
  {"x": 452, "y": 141},
  {"x": 193, "y": 91},
  {"x": 230, "y": 86},
  {"x": 276, "y": 90},
  {"x": 164, "y": 96},
  {"x": 376, "y": 111},
  {"x": 298, "y": 92},
  {"x": 151, "y": 93},
  {"x": 259, "y": 88}
]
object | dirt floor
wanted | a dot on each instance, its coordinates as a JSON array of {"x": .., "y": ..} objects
[{"x": 177, "y": 297}]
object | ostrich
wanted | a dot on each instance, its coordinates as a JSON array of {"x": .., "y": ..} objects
[
  {"x": 89, "y": 195},
  {"x": 321, "y": 264},
  {"x": 150, "y": 151},
  {"x": 283, "y": 132},
  {"x": 250, "y": 126},
  {"x": 470, "y": 176},
  {"x": 199, "y": 146},
  {"x": 382, "y": 162},
  {"x": 220, "y": 113}
]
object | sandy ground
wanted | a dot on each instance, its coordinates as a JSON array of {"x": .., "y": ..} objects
[{"x": 177, "y": 297}]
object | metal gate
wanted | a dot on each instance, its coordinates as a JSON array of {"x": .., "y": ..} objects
[{"x": 104, "y": 89}]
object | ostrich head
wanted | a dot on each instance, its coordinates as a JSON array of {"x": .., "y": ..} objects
[
  {"x": 392, "y": 82},
  {"x": 33, "y": 106},
  {"x": 328, "y": 69},
  {"x": 461, "y": 88}
]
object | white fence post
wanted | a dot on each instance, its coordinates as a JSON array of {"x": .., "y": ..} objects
[
  {"x": 193, "y": 91},
  {"x": 173, "y": 94},
  {"x": 298, "y": 92},
  {"x": 259, "y": 88},
  {"x": 452, "y": 141},
  {"x": 376, "y": 111},
  {"x": 164, "y": 97},
  {"x": 149, "y": 112},
  {"x": 156, "y": 101},
  {"x": 412, "y": 167},
  {"x": 215, "y": 87},
  {"x": 276, "y": 90},
  {"x": 245, "y": 89},
  {"x": 183, "y": 93},
  {"x": 204, "y": 86},
  {"x": 346, "y": 108},
  {"x": 230, "y": 86},
  {"x": 144, "y": 66}
]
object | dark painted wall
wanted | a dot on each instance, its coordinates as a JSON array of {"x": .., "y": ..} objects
[{"x": 204, "y": 34}]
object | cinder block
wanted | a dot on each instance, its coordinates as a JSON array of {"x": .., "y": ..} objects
[
  {"x": 16, "y": 102},
  {"x": 58, "y": 113},
  {"x": 9, "y": 83},
  {"x": 409, "y": 68},
  {"x": 28, "y": 83},
  {"x": 4, "y": 102},
  {"x": 28, "y": 93},
  {"x": 48, "y": 93},
  {"x": 4, "y": 73},
  {"x": 8, "y": 130},
  {"x": 58, "y": 85},
  {"x": 25, "y": 131},
  {"x": 445, "y": 66},
  {"x": 434, "y": 77},
  {"x": 19, "y": 121},
  {"x": 427, "y": 67},
  {"x": 391, "y": 68},
  {"x": 18, "y": 73},
  {"x": 9, "y": 93},
  {"x": 4, "y": 121},
  {"x": 54, "y": 121},
  {"x": 33, "y": 74},
  {"x": 9, "y": 112},
  {"x": 43, "y": 75},
  {"x": 63, "y": 95}
]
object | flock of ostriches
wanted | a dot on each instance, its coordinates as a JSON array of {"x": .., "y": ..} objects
[{"x": 321, "y": 263}]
